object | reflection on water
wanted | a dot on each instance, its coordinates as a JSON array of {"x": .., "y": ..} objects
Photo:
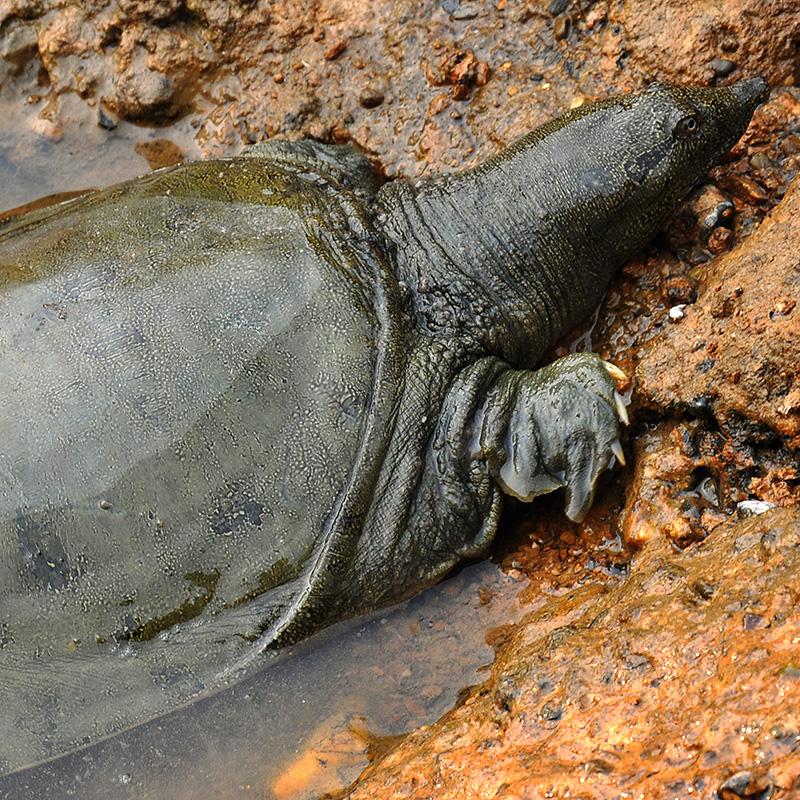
[{"x": 309, "y": 722}]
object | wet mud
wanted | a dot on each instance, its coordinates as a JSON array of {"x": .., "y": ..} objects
[{"x": 649, "y": 652}]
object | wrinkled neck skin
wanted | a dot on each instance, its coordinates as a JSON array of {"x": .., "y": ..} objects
[{"x": 519, "y": 249}]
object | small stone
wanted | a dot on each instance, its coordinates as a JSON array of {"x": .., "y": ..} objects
[
  {"x": 720, "y": 241},
  {"x": 704, "y": 589},
  {"x": 679, "y": 290},
  {"x": 465, "y": 11},
  {"x": 552, "y": 712},
  {"x": 278, "y": 77},
  {"x": 144, "y": 93},
  {"x": 562, "y": 27},
  {"x": 783, "y": 307},
  {"x": 105, "y": 120},
  {"x": 371, "y": 96},
  {"x": 47, "y": 129},
  {"x": 597, "y": 14},
  {"x": 722, "y": 66},
  {"x": 335, "y": 50},
  {"x": 723, "y": 306},
  {"x": 791, "y": 671},
  {"x": 676, "y": 312},
  {"x": 745, "y": 784},
  {"x": 752, "y": 508},
  {"x": 747, "y": 188},
  {"x": 438, "y": 104},
  {"x": 791, "y": 144},
  {"x": 760, "y": 161},
  {"x": 105, "y": 505},
  {"x": 722, "y": 214}
]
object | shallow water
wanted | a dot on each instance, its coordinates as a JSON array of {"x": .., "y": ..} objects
[
  {"x": 39, "y": 157},
  {"x": 310, "y": 721}
]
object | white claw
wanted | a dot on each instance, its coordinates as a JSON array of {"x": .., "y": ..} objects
[
  {"x": 614, "y": 371},
  {"x": 616, "y": 449},
  {"x": 622, "y": 411}
]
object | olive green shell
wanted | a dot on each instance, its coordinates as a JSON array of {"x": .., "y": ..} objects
[{"x": 197, "y": 371}]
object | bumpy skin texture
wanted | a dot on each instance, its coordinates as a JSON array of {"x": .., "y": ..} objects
[{"x": 245, "y": 398}]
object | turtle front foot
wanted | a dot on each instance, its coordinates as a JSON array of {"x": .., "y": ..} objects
[{"x": 555, "y": 427}]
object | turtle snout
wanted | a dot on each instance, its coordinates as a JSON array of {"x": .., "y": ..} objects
[{"x": 751, "y": 92}]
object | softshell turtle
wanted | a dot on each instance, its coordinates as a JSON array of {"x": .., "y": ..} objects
[{"x": 244, "y": 398}]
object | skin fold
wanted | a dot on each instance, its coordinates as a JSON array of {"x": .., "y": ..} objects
[{"x": 246, "y": 398}]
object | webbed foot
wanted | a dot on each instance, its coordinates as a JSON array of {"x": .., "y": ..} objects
[{"x": 558, "y": 426}]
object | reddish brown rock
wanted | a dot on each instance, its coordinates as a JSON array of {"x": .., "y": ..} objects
[
  {"x": 736, "y": 353},
  {"x": 681, "y": 682},
  {"x": 244, "y": 71},
  {"x": 708, "y": 41}
]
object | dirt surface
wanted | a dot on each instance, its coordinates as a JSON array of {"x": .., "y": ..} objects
[{"x": 672, "y": 672}]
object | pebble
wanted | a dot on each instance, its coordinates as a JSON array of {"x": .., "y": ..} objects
[
  {"x": 747, "y": 188},
  {"x": 721, "y": 214},
  {"x": 465, "y": 11},
  {"x": 372, "y": 95},
  {"x": 760, "y": 161},
  {"x": 791, "y": 144},
  {"x": 720, "y": 241},
  {"x": 562, "y": 27},
  {"x": 145, "y": 93},
  {"x": 105, "y": 120},
  {"x": 783, "y": 307},
  {"x": 751, "y": 508},
  {"x": 557, "y": 7},
  {"x": 335, "y": 50},
  {"x": 722, "y": 66},
  {"x": 745, "y": 784},
  {"x": 47, "y": 129},
  {"x": 676, "y": 312}
]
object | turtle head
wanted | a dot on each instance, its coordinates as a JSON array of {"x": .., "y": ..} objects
[
  {"x": 672, "y": 135},
  {"x": 542, "y": 226},
  {"x": 626, "y": 163}
]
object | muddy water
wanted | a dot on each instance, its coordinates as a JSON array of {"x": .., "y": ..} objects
[
  {"x": 39, "y": 157},
  {"x": 312, "y": 719}
]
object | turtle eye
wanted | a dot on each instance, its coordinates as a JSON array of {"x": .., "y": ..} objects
[{"x": 686, "y": 126}]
